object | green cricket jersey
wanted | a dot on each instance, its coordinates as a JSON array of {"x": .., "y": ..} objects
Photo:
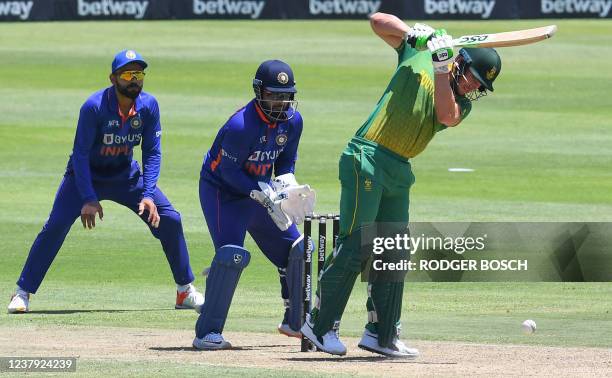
[{"x": 404, "y": 120}]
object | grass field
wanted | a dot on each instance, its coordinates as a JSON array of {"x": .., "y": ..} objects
[{"x": 540, "y": 147}]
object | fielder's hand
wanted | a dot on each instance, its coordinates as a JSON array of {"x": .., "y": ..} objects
[
  {"x": 148, "y": 205},
  {"x": 441, "y": 48},
  {"x": 88, "y": 214},
  {"x": 418, "y": 36}
]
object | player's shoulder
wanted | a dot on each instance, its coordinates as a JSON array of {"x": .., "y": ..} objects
[
  {"x": 95, "y": 100},
  {"x": 296, "y": 120},
  {"x": 147, "y": 99},
  {"x": 239, "y": 121}
]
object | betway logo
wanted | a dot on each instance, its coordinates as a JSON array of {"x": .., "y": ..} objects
[
  {"x": 599, "y": 7},
  {"x": 481, "y": 7},
  {"x": 136, "y": 9},
  {"x": 19, "y": 9},
  {"x": 343, "y": 6},
  {"x": 231, "y": 7}
]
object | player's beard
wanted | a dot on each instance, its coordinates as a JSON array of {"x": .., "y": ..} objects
[{"x": 131, "y": 90}]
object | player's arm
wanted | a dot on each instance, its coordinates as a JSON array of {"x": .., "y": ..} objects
[
  {"x": 389, "y": 28},
  {"x": 394, "y": 31},
  {"x": 285, "y": 163},
  {"x": 83, "y": 142},
  {"x": 151, "y": 164},
  {"x": 235, "y": 149},
  {"x": 448, "y": 111}
]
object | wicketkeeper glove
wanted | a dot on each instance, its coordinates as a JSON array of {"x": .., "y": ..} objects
[{"x": 290, "y": 205}]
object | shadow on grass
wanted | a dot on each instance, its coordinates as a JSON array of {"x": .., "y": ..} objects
[
  {"x": 234, "y": 348},
  {"x": 68, "y": 312},
  {"x": 367, "y": 359}
]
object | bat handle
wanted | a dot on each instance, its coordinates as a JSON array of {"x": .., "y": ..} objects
[{"x": 412, "y": 42}]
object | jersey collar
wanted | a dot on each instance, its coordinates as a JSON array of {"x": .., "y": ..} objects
[{"x": 262, "y": 116}]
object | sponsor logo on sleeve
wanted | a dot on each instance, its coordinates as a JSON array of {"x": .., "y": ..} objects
[
  {"x": 100, "y": 8},
  {"x": 484, "y": 8},
  {"x": 19, "y": 9},
  {"x": 241, "y": 8},
  {"x": 227, "y": 155}
]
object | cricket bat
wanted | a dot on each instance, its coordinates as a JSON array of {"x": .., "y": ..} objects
[{"x": 507, "y": 39}]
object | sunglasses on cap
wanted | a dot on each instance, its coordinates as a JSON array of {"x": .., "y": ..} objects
[{"x": 131, "y": 75}]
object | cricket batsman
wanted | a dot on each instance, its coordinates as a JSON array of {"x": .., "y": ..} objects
[
  {"x": 101, "y": 167},
  {"x": 432, "y": 89},
  {"x": 238, "y": 194}
]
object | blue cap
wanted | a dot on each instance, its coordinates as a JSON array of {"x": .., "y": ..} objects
[
  {"x": 126, "y": 57},
  {"x": 275, "y": 76}
]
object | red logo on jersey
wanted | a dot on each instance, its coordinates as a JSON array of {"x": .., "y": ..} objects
[{"x": 254, "y": 169}]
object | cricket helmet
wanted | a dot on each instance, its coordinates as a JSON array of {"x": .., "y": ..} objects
[
  {"x": 484, "y": 63},
  {"x": 275, "y": 77}
]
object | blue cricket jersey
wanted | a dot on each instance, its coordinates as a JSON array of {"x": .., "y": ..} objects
[
  {"x": 249, "y": 149},
  {"x": 105, "y": 139}
]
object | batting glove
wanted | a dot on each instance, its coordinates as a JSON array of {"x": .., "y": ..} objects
[
  {"x": 441, "y": 48},
  {"x": 418, "y": 36}
]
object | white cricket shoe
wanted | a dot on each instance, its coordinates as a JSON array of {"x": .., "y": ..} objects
[
  {"x": 287, "y": 331},
  {"x": 20, "y": 303},
  {"x": 212, "y": 341},
  {"x": 329, "y": 343},
  {"x": 369, "y": 342},
  {"x": 189, "y": 299}
]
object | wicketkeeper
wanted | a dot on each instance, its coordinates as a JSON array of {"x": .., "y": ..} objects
[
  {"x": 101, "y": 167},
  {"x": 431, "y": 89},
  {"x": 238, "y": 194}
]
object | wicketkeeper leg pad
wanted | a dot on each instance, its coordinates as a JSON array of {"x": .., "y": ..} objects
[{"x": 221, "y": 282}]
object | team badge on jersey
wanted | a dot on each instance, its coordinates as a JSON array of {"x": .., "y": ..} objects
[
  {"x": 367, "y": 185},
  {"x": 283, "y": 78},
  {"x": 281, "y": 139},
  {"x": 108, "y": 139},
  {"x": 135, "y": 123}
]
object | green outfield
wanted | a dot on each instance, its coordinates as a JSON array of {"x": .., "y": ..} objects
[{"x": 540, "y": 148}]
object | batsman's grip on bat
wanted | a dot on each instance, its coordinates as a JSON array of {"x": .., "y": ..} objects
[
  {"x": 289, "y": 205},
  {"x": 441, "y": 48},
  {"x": 419, "y": 35}
]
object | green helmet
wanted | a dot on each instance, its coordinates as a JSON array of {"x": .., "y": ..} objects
[{"x": 484, "y": 63}]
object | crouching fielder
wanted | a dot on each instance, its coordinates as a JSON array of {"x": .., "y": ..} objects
[{"x": 237, "y": 195}]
